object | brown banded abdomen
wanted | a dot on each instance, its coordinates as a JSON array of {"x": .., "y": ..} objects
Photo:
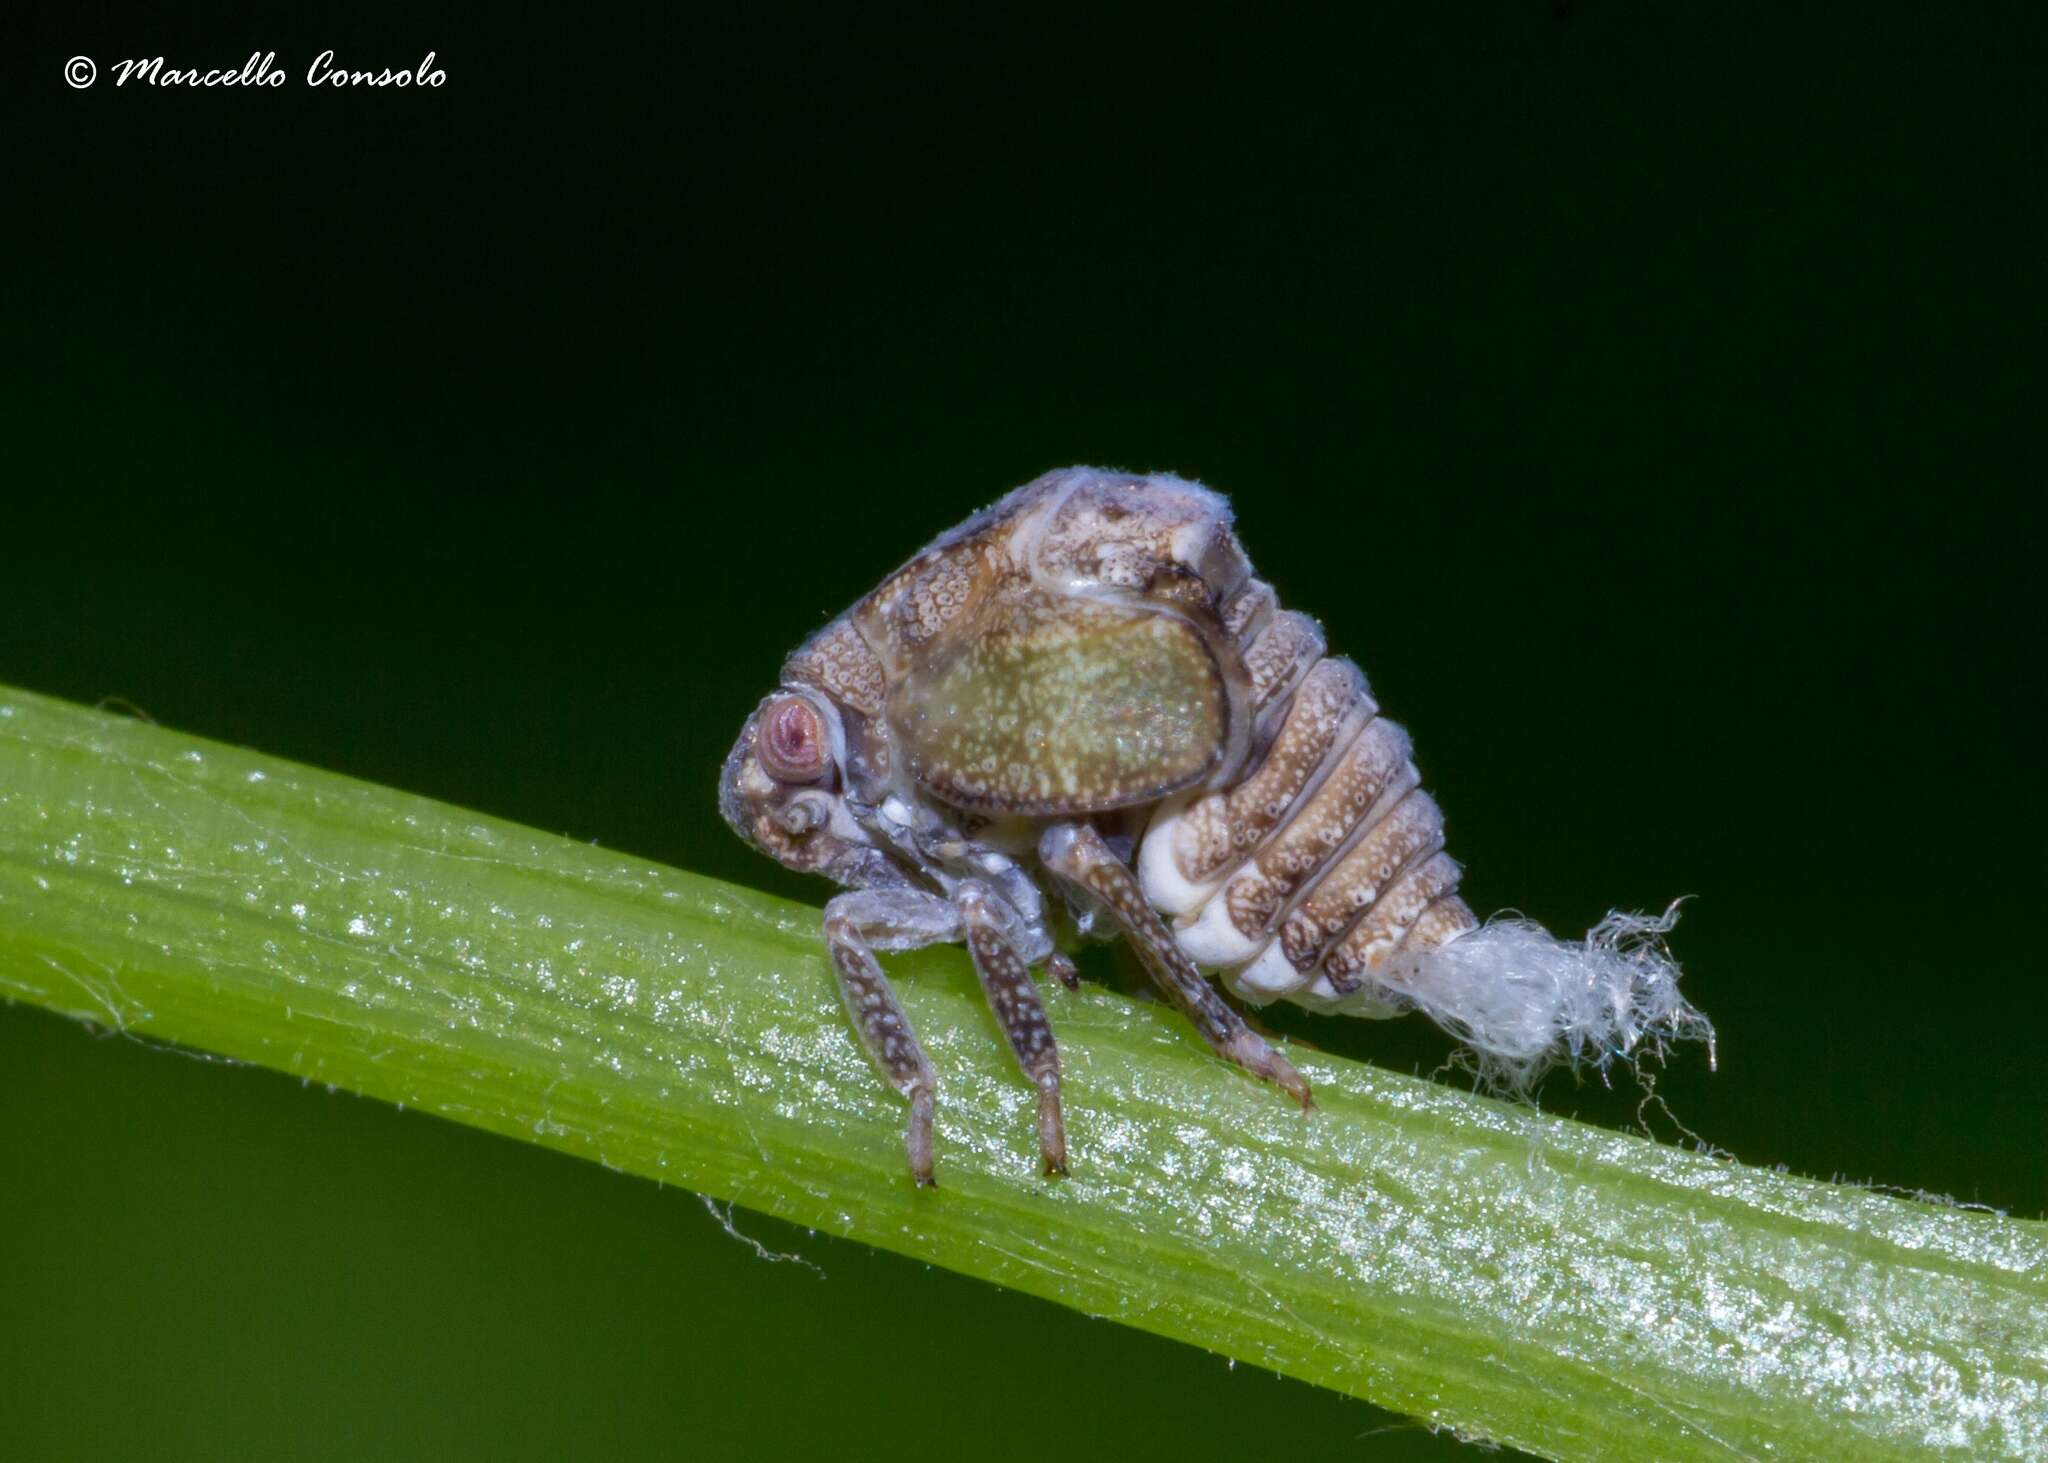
[{"x": 1325, "y": 857}]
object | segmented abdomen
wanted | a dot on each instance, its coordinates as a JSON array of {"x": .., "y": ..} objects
[{"x": 1326, "y": 858}]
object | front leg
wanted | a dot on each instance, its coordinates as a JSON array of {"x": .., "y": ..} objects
[
  {"x": 894, "y": 919},
  {"x": 1076, "y": 853}
]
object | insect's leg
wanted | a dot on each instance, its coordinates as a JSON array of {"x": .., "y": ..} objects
[
  {"x": 1076, "y": 853},
  {"x": 1006, "y": 981},
  {"x": 894, "y": 919}
]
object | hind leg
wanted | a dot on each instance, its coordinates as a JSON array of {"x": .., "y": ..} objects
[{"x": 1076, "y": 853}]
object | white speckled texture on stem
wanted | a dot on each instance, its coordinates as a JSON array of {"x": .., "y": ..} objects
[{"x": 1569, "y": 1290}]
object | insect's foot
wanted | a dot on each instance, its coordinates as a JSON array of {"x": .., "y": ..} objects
[
  {"x": 1252, "y": 1052},
  {"x": 1052, "y": 1129},
  {"x": 917, "y": 1140},
  {"x": 1064, "y": 969},
  {"x": 1294, "y": 1084}
]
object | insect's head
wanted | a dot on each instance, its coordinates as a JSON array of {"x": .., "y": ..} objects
[{"x": 784, "y": 783}]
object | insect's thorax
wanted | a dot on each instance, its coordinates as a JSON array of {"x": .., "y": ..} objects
[{"x": 1096, "y": 648}]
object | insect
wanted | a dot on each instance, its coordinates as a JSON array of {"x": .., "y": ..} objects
[{"x": 1083, "y": 692}]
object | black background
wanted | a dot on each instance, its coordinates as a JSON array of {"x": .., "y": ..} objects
[{"x": 1649, "y": 398}]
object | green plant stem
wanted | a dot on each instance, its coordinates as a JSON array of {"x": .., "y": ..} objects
[{"x": 1562, "y": 1288}]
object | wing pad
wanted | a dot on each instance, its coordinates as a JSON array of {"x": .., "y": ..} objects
[{"x": 1062, "y": 704}]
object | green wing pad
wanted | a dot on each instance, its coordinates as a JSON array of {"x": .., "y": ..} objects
[{"x": 1056, "y": 704}]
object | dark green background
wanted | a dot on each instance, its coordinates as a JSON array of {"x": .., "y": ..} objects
[{"x": 1650, "y": 400}]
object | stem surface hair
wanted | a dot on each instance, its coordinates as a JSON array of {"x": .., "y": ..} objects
[{"x": 1483, "y": 1267}]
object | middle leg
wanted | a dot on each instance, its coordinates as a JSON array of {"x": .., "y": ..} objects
[{"x": 1006, "y": 981}]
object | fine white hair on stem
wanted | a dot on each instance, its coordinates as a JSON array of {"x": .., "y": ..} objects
[{"x": 1524, "y": 1000}]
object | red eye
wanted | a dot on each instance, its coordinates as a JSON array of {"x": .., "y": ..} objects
[{"x": 792, "y": 741}]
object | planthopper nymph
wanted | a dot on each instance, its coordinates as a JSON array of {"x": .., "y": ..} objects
[{"x": 1080, "y": 713}]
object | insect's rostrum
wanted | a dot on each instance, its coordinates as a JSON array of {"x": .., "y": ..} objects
[{"x": 1083, "y": 691}]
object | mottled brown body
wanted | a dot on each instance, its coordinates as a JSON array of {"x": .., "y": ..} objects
[{"x": 1085, "y": 685}]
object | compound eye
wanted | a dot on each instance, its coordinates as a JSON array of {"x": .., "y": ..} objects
[{"x": 792, "y": 741}]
